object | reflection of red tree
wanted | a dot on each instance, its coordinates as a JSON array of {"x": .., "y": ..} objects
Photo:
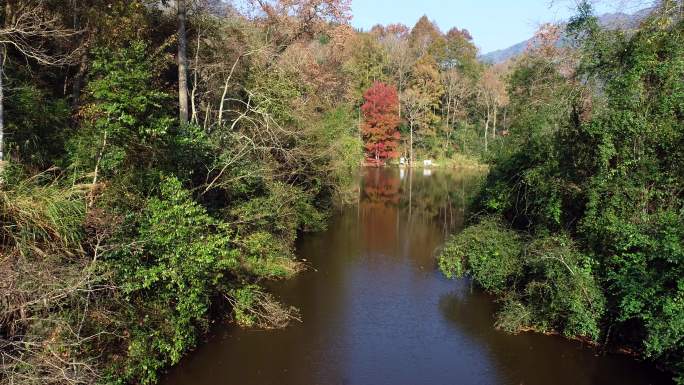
[
  {"x": 380, "y": 211},
  {"x": 381, "y": 189},
  {"x": 381, "y": 119}
]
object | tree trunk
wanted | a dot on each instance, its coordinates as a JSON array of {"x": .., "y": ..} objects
[
  {"x": 410, "y": 171},
  {"x": 401, "y": 91},
  {"x": 448, "y": 128},
  {"x": 505, "y": 125},
  {"x": 2, "y": 120},
  {"x": 223, "y": 99},
  {"x": 194, "y": 81},
  {"x": 207, "y": 111},
  {"x": 91, "y": 198},
  {"x": 464, "y": 149},
  {"x": 77, "y": 84},
  {"x": 448, "y": 111},
  {"x": 80, "y": 75},
  {"x": 182, "y": 63},
  {"x": 411, "y": 147},
  {"x": 9, "y": 14},
  {"x": 496, "y": 112},
  {"x": 486, "y": 130}
]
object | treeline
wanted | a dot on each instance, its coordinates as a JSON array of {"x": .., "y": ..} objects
[
  {"x": 448, "y": 105},
  {"x": 134, "y": 206},
  {"x": 580, "y": 228}
]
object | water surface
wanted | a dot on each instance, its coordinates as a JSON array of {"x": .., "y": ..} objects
[{"x": 376, "y": 310}]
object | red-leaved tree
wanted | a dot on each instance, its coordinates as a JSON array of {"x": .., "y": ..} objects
[{"x": 381, "y": 119}]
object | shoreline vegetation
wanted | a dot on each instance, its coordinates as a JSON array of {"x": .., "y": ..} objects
[
  {"x": 160, "y": 158},
  {"x": 578, "y": 230},
  {"x": 453, "y": 163}
]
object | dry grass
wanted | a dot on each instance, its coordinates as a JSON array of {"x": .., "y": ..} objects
[{"x": 49, "y": 284}]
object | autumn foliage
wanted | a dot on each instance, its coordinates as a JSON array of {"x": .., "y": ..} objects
[{"x": 381, "y": 119}]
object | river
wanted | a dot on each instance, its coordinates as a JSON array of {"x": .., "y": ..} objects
[{"x": 375, "y": 309}]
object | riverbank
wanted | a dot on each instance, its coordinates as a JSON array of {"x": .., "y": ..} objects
[
  {"x": 456, "y": 162},
  {"x": 375, "y": 310}
]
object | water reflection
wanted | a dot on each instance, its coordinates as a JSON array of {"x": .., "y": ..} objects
[
  {"x": 530, "y": 358},
  {"x": 376, "y": 310}
]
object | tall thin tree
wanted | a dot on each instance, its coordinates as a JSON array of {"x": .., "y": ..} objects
[
  {"x": 182, "y": 62},
  {"x": 2, "y": 103}
]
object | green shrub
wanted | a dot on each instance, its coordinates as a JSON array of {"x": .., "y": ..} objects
[
  {"x": 545, "y": 284},
  {"x": 177, "y": 262},
  {"x": 560, "y": 288},
  {"x": 488, "y": 252},
  {"x": 182, "y": 258},
  {"x": 595, "y": 178}
]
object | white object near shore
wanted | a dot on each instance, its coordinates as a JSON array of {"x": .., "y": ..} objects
[{"x": 427, "y": 163}]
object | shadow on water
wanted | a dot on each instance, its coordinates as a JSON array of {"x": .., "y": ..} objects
[{"x": 376, "y": 310}]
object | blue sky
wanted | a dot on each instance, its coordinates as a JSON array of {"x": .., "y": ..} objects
[{"x": 494, "y": 24}]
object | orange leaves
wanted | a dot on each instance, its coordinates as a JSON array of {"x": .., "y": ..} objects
[
  {"x": 381, "y": 119},
  {"x": 544, "y": 42},
  {"x": 295, "y": 19}
]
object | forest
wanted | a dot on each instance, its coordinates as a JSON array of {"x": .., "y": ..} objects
[{"x": 159, "y": 159}]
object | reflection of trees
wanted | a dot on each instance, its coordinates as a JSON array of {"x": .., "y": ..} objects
[
  {"x": 380, "y": 188},
  {"x": 530, "y": 358},
  {"x": 392, "y": 203},
  {"x": 441, "y": 197},
  {"x": 379, "y": 209},
  {"x": 430, "y": 196}
]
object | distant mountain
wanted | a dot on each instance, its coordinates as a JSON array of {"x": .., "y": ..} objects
[
  {"x": 501, "y": 55},
  {"x": 608, "y": 20}
]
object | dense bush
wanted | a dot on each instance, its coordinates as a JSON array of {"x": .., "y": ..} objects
[
  {"x": 489, "y": 252},
  {"x": 594, "y": 185},
  {"x": 115, "y": 260},
  {"x": 545, "y": 284}
]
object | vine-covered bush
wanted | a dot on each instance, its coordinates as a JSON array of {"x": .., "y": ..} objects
[
  {"x": 545, "y": 284},
  {"x": 594, "y": 188},
  {"x": 116, "y": 262},
  {"x": 489, "y": 252}
]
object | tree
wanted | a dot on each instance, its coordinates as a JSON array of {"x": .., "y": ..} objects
[
  {"x": 367, "y": 64},
  {"x": 127, "y": 115},
  {"x": 400, "y": 59},
  {"x": 593, "y": 183},
  {"x": 492, "y": 95},
  {"x": 182, "y": 62},
  {"x": 292, "y": 20},
  {"x": 459, "y": 52},
  {"x": 78, "y": 304},
  {"x": 544, "y": 42},
  {"x": 381, "y": 119},
  {"x": 423, "y": 100},
  {"x": 423, "y": 36},
  {"x": 27, "y": 28},
  {"x": 416, "y": 111},
  {"x": 458, "y": 89}
]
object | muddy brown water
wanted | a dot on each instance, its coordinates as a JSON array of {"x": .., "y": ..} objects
[{"x": 375, "y": 309}]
